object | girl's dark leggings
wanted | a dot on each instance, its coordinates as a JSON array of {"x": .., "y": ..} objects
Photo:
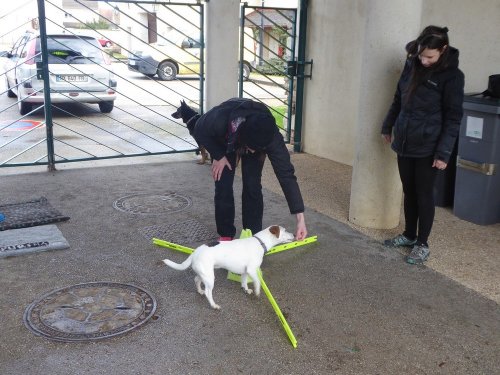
[{"x": 418, "y": 176}]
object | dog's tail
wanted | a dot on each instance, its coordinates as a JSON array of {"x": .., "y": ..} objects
[{"x": 179, "y": 266}]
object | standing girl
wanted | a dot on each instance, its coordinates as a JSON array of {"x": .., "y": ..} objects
[{"x": 422, "y": 126}]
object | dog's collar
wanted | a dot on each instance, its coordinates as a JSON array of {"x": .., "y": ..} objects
[
  {"x": 191, "y": 119},
  {"x": 261, "y": 243}
]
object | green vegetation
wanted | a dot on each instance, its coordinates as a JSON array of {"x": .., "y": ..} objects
[
  {"x": 96, "y": 25},
  {"x": 279, "y": 112},
  {"x": 118, "y": 56},
  {"x": 274, "y": 66}
]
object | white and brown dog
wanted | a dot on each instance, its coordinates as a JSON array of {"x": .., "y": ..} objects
[{"x": 242, "y": 256}]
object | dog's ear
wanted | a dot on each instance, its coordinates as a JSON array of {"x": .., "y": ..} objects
[
  {"x": 183, "y": 103},
  {"x": 275, "y": 229}
]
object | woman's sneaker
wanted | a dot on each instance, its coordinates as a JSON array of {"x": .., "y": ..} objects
[
  {"x": 399, "y": 240},
  {"x": 418, "y": 255}
]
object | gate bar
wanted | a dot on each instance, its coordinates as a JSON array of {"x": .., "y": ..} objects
[
  {"x": 46, "y": 84},
  {"x": 301, "y": 57}
]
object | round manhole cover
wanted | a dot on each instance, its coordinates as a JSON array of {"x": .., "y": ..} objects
[
  {"x": 90, "y": 311},
  {"x": 152, "y": 204}
]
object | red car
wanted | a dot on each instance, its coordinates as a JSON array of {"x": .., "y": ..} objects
[{"x": 105, "y": 42}]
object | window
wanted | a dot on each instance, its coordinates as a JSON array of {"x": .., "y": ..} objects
[
  {"x": 72, "y": 50},
  {"x": 190, "y": 43}
]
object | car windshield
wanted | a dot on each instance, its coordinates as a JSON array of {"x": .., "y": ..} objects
[
  {"x": 190, "y": 43},
  {"x": 72, "y": 49}
]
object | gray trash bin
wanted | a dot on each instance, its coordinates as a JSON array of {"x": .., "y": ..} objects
[{"x": 477, "y": 185}]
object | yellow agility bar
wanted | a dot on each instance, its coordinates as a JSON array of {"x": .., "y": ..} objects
[
  {"x": 291, "y": 245},
  {"x": 277, "y": 310},
  {"x": 173, "y": 246}
]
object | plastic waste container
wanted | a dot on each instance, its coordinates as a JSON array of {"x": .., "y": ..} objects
[{"x": 477, "y": 184}]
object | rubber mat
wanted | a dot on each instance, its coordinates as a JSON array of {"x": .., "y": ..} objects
[
  {"x": 31, "y": 240},
  {"x": 29, "y": 214}
]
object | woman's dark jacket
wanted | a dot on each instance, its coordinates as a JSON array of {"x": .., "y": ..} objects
[
  {"x": 427, "y": 123},
  {"x": 212, "y": 132}
]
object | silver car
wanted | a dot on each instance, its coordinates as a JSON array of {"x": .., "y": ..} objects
[{"x": 79, "y": 71}]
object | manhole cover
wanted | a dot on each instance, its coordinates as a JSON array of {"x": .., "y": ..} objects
[
  {"x": 184, "y": 232},
  {"x": 90, "y": 311},
  {"x": 152, "y": 204}
]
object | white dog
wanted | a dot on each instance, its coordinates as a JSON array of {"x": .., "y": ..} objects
[{"x": 242, "y": 256}]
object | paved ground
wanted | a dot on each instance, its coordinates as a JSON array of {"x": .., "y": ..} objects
[
  {"x": 354, "y": 306},
  {"x": 463, "y": 251}
]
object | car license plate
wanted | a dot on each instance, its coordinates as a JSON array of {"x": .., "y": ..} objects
[
  {"x": 131, "y": 62},
  {"x": 71, "y": 78}
]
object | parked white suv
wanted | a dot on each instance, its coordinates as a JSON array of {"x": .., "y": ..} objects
[{"x": 79, "y": 71}]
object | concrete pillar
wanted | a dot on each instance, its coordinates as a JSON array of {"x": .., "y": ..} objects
[
  {"x": 376, "y": 188},
  {"x": 222, "y": 40}
]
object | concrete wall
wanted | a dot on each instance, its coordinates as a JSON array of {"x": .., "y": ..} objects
[
  {"x": 376, "y": 188},
  {"x": 222, "y": 58},
  {"x": 335, "y": 41},
  {"x": 358, "y": 52},
  {"x": 475, "y": 31}
]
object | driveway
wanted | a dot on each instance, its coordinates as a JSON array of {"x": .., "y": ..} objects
[{"x": 354, "y": 306}]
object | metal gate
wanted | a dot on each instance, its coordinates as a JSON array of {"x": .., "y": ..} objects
[
  {"x": 110, "y": 74},
  {"x": 87, "y": 80},
  {"x": 268, "y": 40}
]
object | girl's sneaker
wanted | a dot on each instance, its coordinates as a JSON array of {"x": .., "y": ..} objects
[
  {"x": 399, "y": 240},
  {"x": 418, "y": 255}
]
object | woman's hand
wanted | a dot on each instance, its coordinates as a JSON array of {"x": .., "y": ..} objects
[
  {"x": 218, "y": 168},
  {"x": 439, "y": 164},
  {"x": 387, "y": 138},
  {"x": 301, "y": 231}
]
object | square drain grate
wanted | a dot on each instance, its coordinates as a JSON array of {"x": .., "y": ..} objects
[{"x": 184, "y": 232}]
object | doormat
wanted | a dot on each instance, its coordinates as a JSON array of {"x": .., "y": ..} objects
[
  {"x": 31, "y": 240},
  {"x": 29, "y": 214}
]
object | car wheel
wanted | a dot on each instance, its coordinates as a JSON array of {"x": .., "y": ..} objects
[
  {"x": 246, "y": 71},
  {"x": 167, "y": 71},
  {"x": 10, "y": 93},
  {"x": 106, "y": 107},
  {"x": 24, "y": 107}
]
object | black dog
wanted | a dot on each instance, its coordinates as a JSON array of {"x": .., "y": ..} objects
[{"x": 189, "y": 117}]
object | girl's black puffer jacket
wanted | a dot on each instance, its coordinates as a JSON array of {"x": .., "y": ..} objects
[{"x": 428, "y": 122}]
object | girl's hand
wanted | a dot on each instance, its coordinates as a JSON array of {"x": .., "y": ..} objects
[{"x": 439, "y": 164}]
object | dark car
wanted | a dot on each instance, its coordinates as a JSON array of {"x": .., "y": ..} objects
[{"x": 168, "y": 59}]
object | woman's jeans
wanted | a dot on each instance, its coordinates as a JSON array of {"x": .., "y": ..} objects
[{"x": 418, "y": 176}]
